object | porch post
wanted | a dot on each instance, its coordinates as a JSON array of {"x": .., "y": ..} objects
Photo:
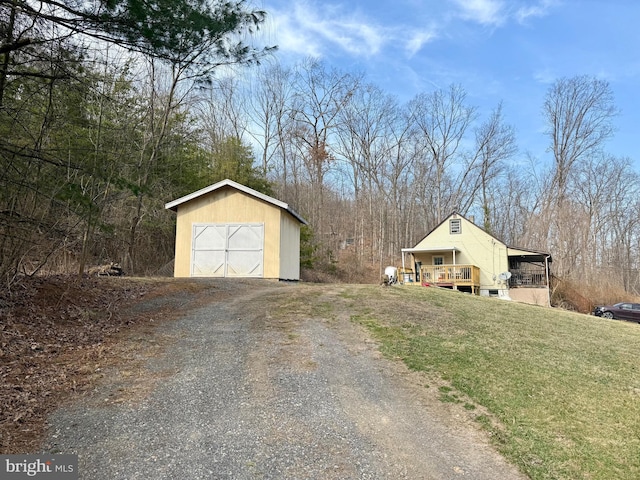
[
  {"x": 402, "y": 265},
  {"x": 546, "y": 272},
  {"x": 455, "y": 271}
]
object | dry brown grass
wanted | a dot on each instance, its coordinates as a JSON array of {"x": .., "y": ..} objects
[{"x": 582, "y": 297}]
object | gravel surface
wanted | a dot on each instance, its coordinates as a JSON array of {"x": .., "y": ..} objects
[{"x": 243, "y": 392}]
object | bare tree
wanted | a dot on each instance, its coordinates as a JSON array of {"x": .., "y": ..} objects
[
  {"x": 622, "y": 231},
  {"x": 578, "y": 111},
  {"x": 399, "y": 178},
  {"x": 269, "y": 111},
  {"x": 595, "y": 184},
  {"x": 319, "y": 96},
  {"x": 495, "y": 143},
  {"x": 442, "y": 119},
  {"x": 366, "y": 124},
  {"x": 221, "y": 110},
  {"x": 514, "y": 194}
]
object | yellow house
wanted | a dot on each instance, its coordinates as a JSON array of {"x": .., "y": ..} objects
[
  {"x": 230, "y": 230},
  {"x": 460, "y": 255}
]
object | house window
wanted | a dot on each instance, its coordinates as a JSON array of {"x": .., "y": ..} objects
[
  {"x": 455, "y": 226},
  {"x": 438, "y": 260}
]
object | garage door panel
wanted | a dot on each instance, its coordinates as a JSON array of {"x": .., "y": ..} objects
[
  {"x": 244, "y": 264},
  {"x": 210, "y": 237},
  {"x": 234, "y": 250},
  {"x": 208, "y": 263},
  {"x": 246, "y": 237}
]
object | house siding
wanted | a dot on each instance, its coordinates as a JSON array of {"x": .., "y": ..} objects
[
  {"x": 475, "y": 247},
  {"x": 533, "y": 296}
]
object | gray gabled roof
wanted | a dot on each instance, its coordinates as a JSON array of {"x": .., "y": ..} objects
[{"x": 230, "y": 183}]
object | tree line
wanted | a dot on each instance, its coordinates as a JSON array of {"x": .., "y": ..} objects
[
  {"x": 94, "y": 141},
  {"x": 374, "y": 175}
]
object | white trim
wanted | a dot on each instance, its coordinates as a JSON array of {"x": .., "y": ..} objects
[{"x": 431, "y": 250}]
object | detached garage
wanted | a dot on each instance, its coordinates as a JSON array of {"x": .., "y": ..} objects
[{"x": 229, "y": 230}]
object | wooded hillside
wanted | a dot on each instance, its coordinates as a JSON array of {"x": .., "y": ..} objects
[{"x": 108, "y": 111}]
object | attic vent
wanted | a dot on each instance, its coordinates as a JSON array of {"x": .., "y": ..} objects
[{"x": 455, "y": 226}]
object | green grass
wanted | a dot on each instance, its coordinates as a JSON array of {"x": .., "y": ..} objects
[{"x": 562, "y": 389}]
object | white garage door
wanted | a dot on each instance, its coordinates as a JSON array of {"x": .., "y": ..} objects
[{"x": 227, "y": 250}]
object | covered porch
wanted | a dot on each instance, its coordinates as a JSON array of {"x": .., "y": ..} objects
[
  {"x": 528, "y": 269},
  {"x": 438, "y": 267},
  {"x": 458, "y": 277},
  {"x": 529, "y": 279}
]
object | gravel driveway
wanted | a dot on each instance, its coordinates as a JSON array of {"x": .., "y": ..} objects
[{"x": 246, "y": 392}]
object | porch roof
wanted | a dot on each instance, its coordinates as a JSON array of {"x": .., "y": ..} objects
[
  {"x": 529, "y": 255},
  {"x": 430, "y": 250}
]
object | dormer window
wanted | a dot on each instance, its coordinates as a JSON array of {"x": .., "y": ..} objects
[{"x": 455, "y": 226}]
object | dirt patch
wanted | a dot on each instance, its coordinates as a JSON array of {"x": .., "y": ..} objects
[{"x": 60, "y": 334}]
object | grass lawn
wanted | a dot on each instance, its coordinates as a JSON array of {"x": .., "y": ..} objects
[{"x": 562, "y": 389}]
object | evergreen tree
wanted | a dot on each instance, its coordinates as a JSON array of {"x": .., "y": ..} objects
[{"x": 233, "y": 160}]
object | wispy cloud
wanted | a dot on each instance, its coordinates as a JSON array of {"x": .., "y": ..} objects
[
  {"x": 352, "y": 36},
  {"x": 291, "y": 38},
  {"x": 307, "y": 29},
  {"x": 416, "y": 40},
  {"x": 545, "y": 77},
  {"x": 496, "y": 13},
  {"x": 484, "y": 12},
  {"x": 537, "y": 10}
]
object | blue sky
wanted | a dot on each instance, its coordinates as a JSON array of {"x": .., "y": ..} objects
[{"x": 498, "y": 50}]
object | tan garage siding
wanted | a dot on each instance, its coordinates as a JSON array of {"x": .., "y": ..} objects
[
  {"x": 289, "y": 248},
  {"x": 227, "y": 206}
]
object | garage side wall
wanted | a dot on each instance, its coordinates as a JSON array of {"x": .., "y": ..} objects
[
  {"x": 289, "y": 248},
  {"x": 227, "y": 206}
]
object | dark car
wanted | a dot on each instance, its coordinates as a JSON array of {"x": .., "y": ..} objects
[{"x": 620, "y": 311}]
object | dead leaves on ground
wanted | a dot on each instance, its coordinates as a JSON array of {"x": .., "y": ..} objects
[{"x": 56, "y": 335}]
